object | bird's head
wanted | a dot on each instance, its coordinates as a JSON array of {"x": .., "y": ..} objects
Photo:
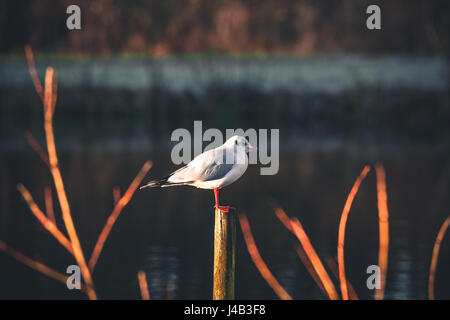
[{"x": 239, "y": 141}]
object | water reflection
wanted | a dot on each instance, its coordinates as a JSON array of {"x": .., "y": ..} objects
[
  {"x": 169, "y": 233},
  {"x": 163, "y": 269}
]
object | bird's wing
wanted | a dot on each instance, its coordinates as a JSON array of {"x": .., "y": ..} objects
[
  {"x": 184, "y": 174},
  {"x": 216, "y": 171},
  {"x": 205, "y": 167}
]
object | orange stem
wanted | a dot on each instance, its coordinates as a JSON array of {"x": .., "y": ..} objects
[
  {"x": 37, "y": 148},
  {"x": 36, "y": 265},
  {"x": 334, "y": 269},
  {"x": 49, "y": 104},
  {"x": 259, "y": 262},
  {"x": 341, "y": 234},
  {"x": 435, "y": 256},
  {"x": 49, "y": 204},
  {"x": 309, "y": 267},
  {"x": 46, "y": 223},
  {"x": 143, "y": 285},
  {"x": 32, "y": 69},
  {"x": 383, "y": 218},
  {"x": 116, "y": 194},
  {"x": 308, "y": 255},
  {"x": 314, "y": 258},
  {"x": 115, "y": 214}
]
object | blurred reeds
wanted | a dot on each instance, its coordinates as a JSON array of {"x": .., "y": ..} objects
[
  {"x": 341, "y": 232},
  {"x": 259, "y": 262},
  {"x": 434, "y": 258},
  {"x": 119, "y": 205},
  {"x": 332, "y": 264},
  {"x": 36, "y": 265},
  {"x": 160, "y": 28},
  {"x": 48, "y": 96},
  {"x": 143, "y": 285},
  {"x": 383, "y": 222},
  {"x": 309, "y": 256}
]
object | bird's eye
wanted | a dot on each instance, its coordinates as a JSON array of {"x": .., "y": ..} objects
[{"x": 235, "y": 142}]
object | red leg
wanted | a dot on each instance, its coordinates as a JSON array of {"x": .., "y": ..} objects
[
  {"x": 216, "y": 195},
  {"x": 221, "y": 208}
]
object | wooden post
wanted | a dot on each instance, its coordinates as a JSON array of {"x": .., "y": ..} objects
[{"x": 224, "y": 254}]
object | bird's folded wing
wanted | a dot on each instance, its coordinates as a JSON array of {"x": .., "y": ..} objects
[
  {"x": 216, "y": 171},
  {"x": 205, "y": 167}
]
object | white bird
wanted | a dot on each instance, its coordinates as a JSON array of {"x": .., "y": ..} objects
[{"x": 213, "y": 169}]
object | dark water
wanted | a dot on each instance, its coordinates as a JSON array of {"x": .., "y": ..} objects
[
  {"x": 169, "y": 232},
  {"x": 104, "y": 134}
]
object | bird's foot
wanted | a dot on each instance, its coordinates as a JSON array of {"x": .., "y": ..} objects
[{"x": 225, "y": 209}]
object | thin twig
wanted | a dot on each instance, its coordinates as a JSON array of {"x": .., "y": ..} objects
[
  {"x": 48, "y": 96},
  {"x": 143, "y": 285},
  {"x": 115, "y": 214},
  {"x": 314, "y": 258},
  {"x": 32, "y": 69},
  {"x": 383, "y": 217},
  {"x": 36, "y": 265},
  {"x": 49, "y": 204},
  {"x": 46, "y": 222},
  {"x": 309, "y": 267},
  {"x": 49, "y": 104},
  {"x": 312, "y": 261},
  {"x": 341, "y": 234},
  {"x": 435, "y": 256},
  {"x": 170, "y": 287},
  {"x": 116, "y": 194},
  {"x": 37, "y": 148},
  {"x": 283, "y": 217},
  {"x": 332, "y": 264},
  {"x": 259, "y": 262}
]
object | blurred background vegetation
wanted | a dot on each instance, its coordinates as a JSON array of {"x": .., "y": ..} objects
[
  {"x": 153, "y": 66},
  {"x": 171, "y": 27}
]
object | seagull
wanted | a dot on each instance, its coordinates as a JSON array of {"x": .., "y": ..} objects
[{"x": 212, "y": 169}]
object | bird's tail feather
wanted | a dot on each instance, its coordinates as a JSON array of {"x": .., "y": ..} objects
[
  {"x": 163, "y": 183},
  {"x": 154, "y": 183}
]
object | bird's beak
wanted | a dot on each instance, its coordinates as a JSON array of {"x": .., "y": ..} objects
[{"x": 252, "y": 148}]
